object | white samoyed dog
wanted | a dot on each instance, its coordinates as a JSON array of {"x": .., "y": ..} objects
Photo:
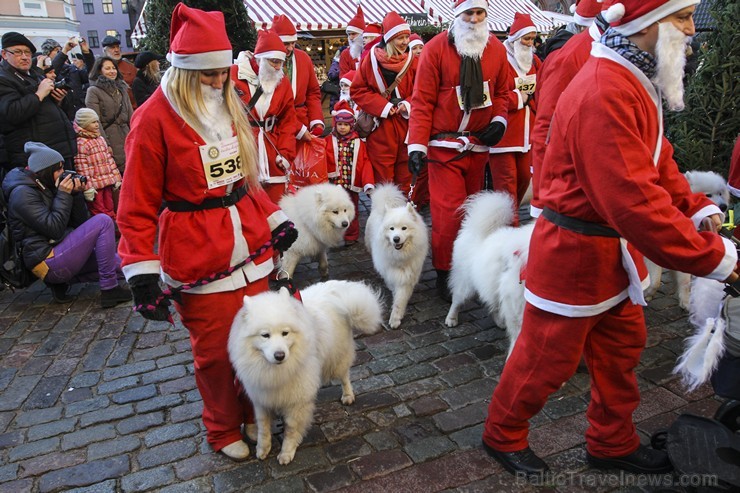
[
  {"x": 283, "y": 350},
  {"x": 487, "y": 259},
  {"x": 715, "y": 188},
  {"x": 321, "y": 214},
  {"x": 397, "y": 239}
]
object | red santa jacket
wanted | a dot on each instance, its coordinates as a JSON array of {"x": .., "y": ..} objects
[
  {"x": 347, "y": 63},
  {"x": 362, "y": 178},
  {"x": 276, "y": 114},
  {"x": 521, "y": 116},
  {"x": 556, "y": 73},
  {"x": 369, "y": 85},
  {"x": 164, "y": 163},
  {"x": 435, "y": 105},
  {"x": 608, "y": 163},
  {"x": 306, "y": 92}
]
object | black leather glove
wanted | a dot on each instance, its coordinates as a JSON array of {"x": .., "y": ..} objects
[
  {"x": 417, "y": 161},
  {"x": 285, "y": 234},
  {"x": 146, "y": 291},
  {"x": 492, "y": 134}
]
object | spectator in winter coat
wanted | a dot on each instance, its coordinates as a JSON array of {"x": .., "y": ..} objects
[
  {"x": 74, "y": 74},
  {"x": 95, "y": 161},
  {"x": 30, "y": 107},
  {"x": 48, "y": 218},
  {"x": 147, "y": 78},
  {"x": 107, "y": 96},
  {"x": 112, "y": 49}
]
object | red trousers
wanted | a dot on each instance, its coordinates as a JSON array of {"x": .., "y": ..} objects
[
  {"x": 450, "y": 183},
  {"x": 421, "y": 191},
  {"x": 547, "y": 354},
  {"x": 353, "y": 231},
  {"x": 388, "y": 153},
  {"x": 103, "y": 203},
  {"x": 208, "y": 318},
  {"x": 511, "y": 173}
]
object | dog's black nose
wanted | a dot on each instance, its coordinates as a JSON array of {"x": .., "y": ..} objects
[
  {"x": 396, "y": 239},
  {"x": 279, "y": 355},
  {"x": 723, "y": 207},
  {"x": 345, "y": 224}
]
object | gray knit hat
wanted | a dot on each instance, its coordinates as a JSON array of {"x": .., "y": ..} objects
[
  {"x": 49, "y": 45},
  {"x": 41, "y": 157},
  {"x": 85, "y": 116}
]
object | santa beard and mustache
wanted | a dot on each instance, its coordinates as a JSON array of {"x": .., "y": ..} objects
[
  {"x": 269, "y": 77},
  {"x": 524, "y": 55},
  {"x": 670, "y": 55},
  {"x": 216, "y": 120},
  {"x": 355, "y": 47},
  {"x": 470, "y": 39}
]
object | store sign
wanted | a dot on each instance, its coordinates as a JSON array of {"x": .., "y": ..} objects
[{"x": 415, "y": 19}]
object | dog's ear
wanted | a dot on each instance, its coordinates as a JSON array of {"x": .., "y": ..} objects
[
  {"x": 246, "y": 302},
  {"x": 410, "y": 207},
  {"x": 319, "y": 197}
]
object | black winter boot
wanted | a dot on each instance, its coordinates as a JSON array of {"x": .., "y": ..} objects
[
  {"x": 59, "y": 292},
  {"x": 443, "y": 290},
  {"x": 111, "y": 297},
  {"x": 644, "y": 460}
]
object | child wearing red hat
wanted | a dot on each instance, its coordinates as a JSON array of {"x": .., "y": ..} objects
[{"x": 347, "y": 162}]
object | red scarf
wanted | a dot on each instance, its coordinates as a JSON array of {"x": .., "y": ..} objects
[{"x": 393, "y": 63}]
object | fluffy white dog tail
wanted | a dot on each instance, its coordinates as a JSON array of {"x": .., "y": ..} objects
[
  {"x": 360, "y": 304},
  {"x": 485, "y": 212},
  {"x": 386, "y": 195}
]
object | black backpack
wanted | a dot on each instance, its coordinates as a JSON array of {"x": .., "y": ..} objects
[{"x": 13, "y": 272}]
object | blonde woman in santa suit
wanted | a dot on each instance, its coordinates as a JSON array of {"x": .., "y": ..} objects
[
  {"x": 193, "y": 149},
  {"x": 389, "y": 58}
]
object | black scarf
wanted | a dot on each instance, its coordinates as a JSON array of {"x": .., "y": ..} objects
[{"x": 471, "y": 82}]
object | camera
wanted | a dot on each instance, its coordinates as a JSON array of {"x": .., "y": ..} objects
[
  {"x": 74, "y": 176},
  {"x": 62, "y": 84}
]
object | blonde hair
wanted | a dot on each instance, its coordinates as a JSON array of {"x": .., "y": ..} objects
[
  {"x": 183, "y": 89},
  {"x": 391, "y": 50},
  {"x": 151, "y": 72}
]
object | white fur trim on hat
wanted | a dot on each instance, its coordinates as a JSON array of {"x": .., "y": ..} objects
[
  {"x": 201, "y": 61},
  {"x": 346, "y": 81},
  {"x": 415, "y": 43},
  {"x": 353, "y": 29},
  {"x": 289, "y": 38},
  {"x": 397, "y": 29},
  {"x": 280, "y": 55},
  {"x": 522, "y": 32},
  {"x": 583, "y": 21},
  {"x": 614, "y": 13},
  {"x": 470, "y": 4},
  {"x": 658, "y": 13}
]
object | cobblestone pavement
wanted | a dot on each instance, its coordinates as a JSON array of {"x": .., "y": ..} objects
[{"x": 102, "y": 400}]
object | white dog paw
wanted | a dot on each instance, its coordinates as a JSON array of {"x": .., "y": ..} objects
[
  {"x": 285, "y": 457},
  {"x": 395, "y": 321},
  {"x": 348, "y": 399},
  {"x": 263, "y": 451},
  {"x": 451, "y": 321}
]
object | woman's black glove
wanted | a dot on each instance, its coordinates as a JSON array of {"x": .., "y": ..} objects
[
  {"x": 146, "y": 291},
  {"x": 417, "y": 161},
  {"x": 284, "y": 235},
  {"x": 492, "y": 134}
]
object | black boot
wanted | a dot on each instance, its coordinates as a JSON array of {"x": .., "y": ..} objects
[
  {"x": 644, "y": 460},
  {"x": 59, "y": 292},
  {"x": 443, "y": 290},
  {"x": 520, "y": 462},
  {"x": 111, "y": 297}
]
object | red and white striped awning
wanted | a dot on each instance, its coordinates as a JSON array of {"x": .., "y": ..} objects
[{"x": 320, "y": 15}]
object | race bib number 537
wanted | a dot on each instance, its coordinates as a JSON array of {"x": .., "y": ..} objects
[{"x": 221, "y": 162}]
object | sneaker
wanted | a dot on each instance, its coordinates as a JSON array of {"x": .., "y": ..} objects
[
  {"x": 111, "y": 297},
  {"x": 644, "y": 460},
  {"x": 59, "y": 292},
  {"x": 237, "y": 451}
]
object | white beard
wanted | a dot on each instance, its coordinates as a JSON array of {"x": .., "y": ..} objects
[
  {"x": 470, "y": 39},
  {"x": 216, "y": 120},
  {"x": 670, "y": 54},
  {"x": 355, "y": 47},
  {"x": 269, "y": 77},
  {"x": 524, "y": 55},
  {"x": 344, "y": 95}
]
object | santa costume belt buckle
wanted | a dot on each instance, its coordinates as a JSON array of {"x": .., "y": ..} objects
[{"x": 269, "y": 123}]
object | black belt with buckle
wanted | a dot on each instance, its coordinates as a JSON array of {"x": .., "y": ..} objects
[
  {"x": 578, "y": 225},
  {"x": 452, "y": 135},
  {"x": 226, "y": 201}
]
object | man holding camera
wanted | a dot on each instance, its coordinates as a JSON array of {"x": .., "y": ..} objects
[{"x": 30, "y": 107}]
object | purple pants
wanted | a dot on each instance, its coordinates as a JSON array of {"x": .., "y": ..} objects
[{"x": 87, "y": 254}]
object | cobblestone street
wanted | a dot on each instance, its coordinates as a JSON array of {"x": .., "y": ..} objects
[{"x": 100, "y": 401}]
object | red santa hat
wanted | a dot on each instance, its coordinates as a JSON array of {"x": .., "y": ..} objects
[
  {"x": 585, "y": 11},
  {"x": 394, "y": 26},
  {"x": 269, "y": 45},
  {"x": 198, "y": 39},
  {"x": 733, "y": 181},
  {"x": 628, "y": 17},
  {"x": 357, "y": 24},
  {"x": 521, "y": 26},
  {"x": 372, "y": 30},
  {"x": 343, "y": 113},
  {"x": 414, "y": 40},
  {"x": 348, "y": 77},
  {"x": 283, "y": 27},
  {"x": 460, "y": 6}
]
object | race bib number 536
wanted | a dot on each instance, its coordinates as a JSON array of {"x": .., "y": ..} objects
[{"x": 221, "y": 162}]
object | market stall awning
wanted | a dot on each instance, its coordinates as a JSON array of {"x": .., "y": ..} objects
[{"x": 321, "y": 15}]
